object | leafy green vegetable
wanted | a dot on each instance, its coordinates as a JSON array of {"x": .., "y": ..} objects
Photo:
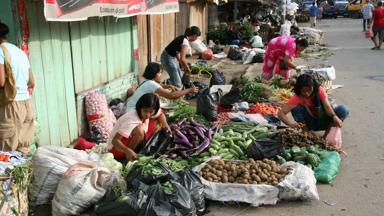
[{"x": 256, "y": 92}]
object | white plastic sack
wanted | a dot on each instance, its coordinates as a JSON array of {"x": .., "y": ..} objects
[
  {"x": 254, "y": 194},
  {"x": 82, "y": 186},
  {"x": 248, "y": 56},
  {"x": 300, "y": 184},
  {"x": 74, "y": 153},
  {"x": 198, "y": 46},
  {"x": 328, "y": 71},
  {"x": 49, "y": 165}
]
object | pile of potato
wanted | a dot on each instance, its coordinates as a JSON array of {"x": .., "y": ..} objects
[{"x": 244, "y": 172}]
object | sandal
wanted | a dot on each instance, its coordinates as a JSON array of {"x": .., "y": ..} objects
[{"x": 373, "y": 48}]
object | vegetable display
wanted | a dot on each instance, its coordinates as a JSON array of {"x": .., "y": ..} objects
[
  {"x": 186, "y": 110},
  {"x": 256, "y": 92},
  {"x": 292, "y": 137},
  {"x": 222, "y": 119},
  {"x": 244, "y": 172},
  {"x": 309, "y": 155},
  {"x": 264, "y": 109},
  {"x": 190, "y": 138}
]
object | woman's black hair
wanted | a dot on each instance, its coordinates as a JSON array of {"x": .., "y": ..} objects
[
  {"x": 302, "y": 42},
  {"x": 148, "y": 100},
  {"x": 193, "y": 30},
  {"x": 151, "y": 70},
  {"x": 306, "y": 80},
  {"x": 4, "y": 30}
]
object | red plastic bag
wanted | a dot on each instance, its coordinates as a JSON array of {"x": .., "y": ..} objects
[
  {"x": 334, "y": 138},
  {"x": 207, "y": 54},
  {"x": 83, "y": 144},
  {"x": 369, "y": 33}
]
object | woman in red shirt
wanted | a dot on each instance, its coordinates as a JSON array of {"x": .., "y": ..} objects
[
  {"x": 378, "y": 26},
  {"x": 310, "y": 106}
]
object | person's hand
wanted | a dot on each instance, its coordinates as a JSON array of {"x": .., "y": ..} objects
[
  {"x": 193, "y": 90},
  {"x": 172, "y": 88},
  {"x": 30, "y": 91},
  {"x": 297, "y": 125},
  {"x": 131, "y": 156},
  {"x": 337, "y": 121},
  {"x": 299, "y": 67}
]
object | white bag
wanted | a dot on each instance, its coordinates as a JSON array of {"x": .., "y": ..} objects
[
  {"x": 82, "y": 186},
  {"x": 300, "y": 184},
  {"x": 254, "y": 194},
  {"x": 248, "y": 56},
  {"x": 198, "y": 46},
  {"x": 49, "y": 165}
]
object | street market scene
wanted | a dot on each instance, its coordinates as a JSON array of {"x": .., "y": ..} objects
[{"x": 191, "y": 107}]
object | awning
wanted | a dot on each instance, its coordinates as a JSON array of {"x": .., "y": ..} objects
[
  {"x": 75, "y": 10},
  {"x": 208, "y": 1}
]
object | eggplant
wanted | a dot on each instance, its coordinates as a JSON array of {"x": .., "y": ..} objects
[
  {"x": 202, "y": 146},
  {"x": 209, "y": 134},
  {"x": 182, "y": 154},
  {"x": 183, "y": 139},
  {"x": 181, "y": 122},
  {"x": 172, "y": 155},
  {"x": 199, "y": 132},
  {"x": 195, "y": 123}
]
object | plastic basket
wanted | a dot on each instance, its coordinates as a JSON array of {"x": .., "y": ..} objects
[{"x": 203, "y": 77}]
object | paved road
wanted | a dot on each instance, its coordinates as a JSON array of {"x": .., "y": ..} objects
[{"x": 359, "y": 188}]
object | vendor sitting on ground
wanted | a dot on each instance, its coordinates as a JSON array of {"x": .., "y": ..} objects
[
  {"x": 153, "y": 73},
  {"x": 281, "y": 52},
  {"x": 256, "y": 41},
  {"x": 310, "y": 106},
  {"x": 241, "y": 37},
  {"x": 136, "y": 126}
]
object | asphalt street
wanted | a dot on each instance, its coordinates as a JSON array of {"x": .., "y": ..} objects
[{"x": 359, "y": 188}]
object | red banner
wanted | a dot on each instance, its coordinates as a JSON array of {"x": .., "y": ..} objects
[{"x": 75, "y": 10}]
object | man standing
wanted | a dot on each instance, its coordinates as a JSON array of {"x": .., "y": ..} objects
[
  {"x": 16, "y": 114},
  {"x": 313, "y": 14},
  {"x": 378, "y": 26},
  {"x": 367, "y": 15}
]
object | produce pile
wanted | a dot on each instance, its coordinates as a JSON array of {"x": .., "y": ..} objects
[
  {"x": 291, "y": 137},
  {"x": 256, "y": 92},
  {"x": 263, "y": 109},
  {"x": 186, "y": 110},
  {"x": 222, "y": 119},
  {"x": 190, "y": 138},
  {"x": 231, "y": 142},
  {"x": 309, "y": 155},
  {"x": 244, "y": 172}
]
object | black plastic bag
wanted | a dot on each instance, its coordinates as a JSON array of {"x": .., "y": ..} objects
[
  {"x": 218, "y": 78},
  {"x": 94, "y": 136},
  {"x": 157, "y": 144},
  {"x": 230, "y": 98},
  {"x": 258, "y": 58},
  {"x": 206, "y": 106},
  {"x": 157, "y": 203},
  {"x": 136, "y": 174},
  {"x": 264, "y": 148},
  {"x": 181, "y": 199},
  {"x": 234, "y": 54},
  {"x": 196, "y": 189},
  {"x": 128, "y": 204}
]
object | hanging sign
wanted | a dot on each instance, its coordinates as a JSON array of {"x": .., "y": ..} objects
[{"x": 75, "y": 10}]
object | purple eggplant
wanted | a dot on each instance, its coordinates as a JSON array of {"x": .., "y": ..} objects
[
  {"x": 172, "y": 155},
  {"x": 209, "y": 134},
  {"x": 202, "y": 146},
  {"x": 195, "y": 123},
  {"x": 181, "y": 122},
  {"x": 184, "y": 140},
  {"x": 182, "y": 154},
  {"x": 199, "y": 132}
]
